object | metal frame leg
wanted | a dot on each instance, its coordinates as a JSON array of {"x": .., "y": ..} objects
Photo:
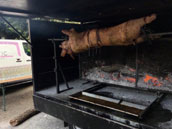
[{"x": 3, "y": 98}]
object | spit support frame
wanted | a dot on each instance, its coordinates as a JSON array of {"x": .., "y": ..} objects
[{"x": 58, "y": 68}]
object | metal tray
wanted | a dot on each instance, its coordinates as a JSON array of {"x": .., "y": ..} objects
[{"x": 129, "y": 103}]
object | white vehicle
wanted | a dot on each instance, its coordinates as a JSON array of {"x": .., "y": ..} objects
[{"x": 15, "y": 61}]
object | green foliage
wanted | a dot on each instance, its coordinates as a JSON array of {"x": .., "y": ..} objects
[
  {"x": 8, "y": 33},
  {"x": 27, "y": 48}
]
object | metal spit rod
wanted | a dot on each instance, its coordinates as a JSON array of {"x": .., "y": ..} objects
[
  {"x": 57, "y": 39},
  {"x": 159, "y": 35}
]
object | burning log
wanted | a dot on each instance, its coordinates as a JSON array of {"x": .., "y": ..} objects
[{"x": 125, "y": 34}]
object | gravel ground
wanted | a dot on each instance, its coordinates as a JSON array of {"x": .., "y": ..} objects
[{"x": 18, "y": 100}]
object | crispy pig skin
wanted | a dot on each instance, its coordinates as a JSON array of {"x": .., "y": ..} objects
[{"x": 124, "y": 34}]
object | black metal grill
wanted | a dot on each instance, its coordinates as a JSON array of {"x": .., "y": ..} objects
[{"x": 114, "y": 68}]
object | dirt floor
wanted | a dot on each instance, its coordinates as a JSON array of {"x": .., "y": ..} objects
[{"x": 18, "y": 100}]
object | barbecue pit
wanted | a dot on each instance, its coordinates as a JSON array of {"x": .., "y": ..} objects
[{"x": 103, "y": 87}]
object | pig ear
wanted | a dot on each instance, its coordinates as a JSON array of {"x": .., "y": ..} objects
[
  {"x": 150, "y": 18},
  {"x": 67, "y": 32}
]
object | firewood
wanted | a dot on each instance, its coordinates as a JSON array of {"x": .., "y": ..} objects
[
  {"x": 124, "y": 34},
  {"x": 22, "y": 117}
]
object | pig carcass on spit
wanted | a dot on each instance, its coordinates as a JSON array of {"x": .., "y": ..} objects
[{"x": 124, "y": 34}]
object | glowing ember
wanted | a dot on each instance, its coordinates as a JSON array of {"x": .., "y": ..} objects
[
  {"x": 130, "y": 79},
  {"x": 152, "y": 80}
]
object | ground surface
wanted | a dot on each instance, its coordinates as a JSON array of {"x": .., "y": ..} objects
[{"x": 18, "y": 100}]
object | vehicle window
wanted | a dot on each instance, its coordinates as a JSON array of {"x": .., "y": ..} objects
[{"x": 27, "y": 48}]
